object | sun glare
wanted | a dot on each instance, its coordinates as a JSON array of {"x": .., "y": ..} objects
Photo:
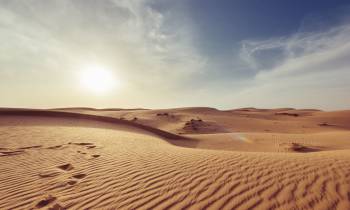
[{"x": 98, "y": 79}]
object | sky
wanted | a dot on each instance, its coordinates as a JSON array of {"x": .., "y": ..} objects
[{"x": 164, "y": 53}]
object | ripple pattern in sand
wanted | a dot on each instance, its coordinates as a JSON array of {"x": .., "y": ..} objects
[{"x": 142, "y": 172}]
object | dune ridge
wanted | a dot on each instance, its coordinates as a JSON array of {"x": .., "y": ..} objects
[{"x": 77, "y": 116}]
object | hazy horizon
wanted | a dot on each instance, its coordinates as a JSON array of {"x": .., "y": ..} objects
[{"x": 165, "y": 54}]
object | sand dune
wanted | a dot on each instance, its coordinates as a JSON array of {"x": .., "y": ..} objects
[
  {"x": 81, "y": 117},
  {"x": 151, "y": 159}
]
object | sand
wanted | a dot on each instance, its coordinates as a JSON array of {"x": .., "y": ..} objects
[{"x": 186, "y": 158}]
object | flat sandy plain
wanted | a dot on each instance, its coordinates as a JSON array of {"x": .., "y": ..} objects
[{"x": 185, "y": 158}]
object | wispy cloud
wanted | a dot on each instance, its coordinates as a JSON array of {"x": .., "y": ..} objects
[
  {"x": 305, "y": 48},
  {"x": 311, "y": 69}
]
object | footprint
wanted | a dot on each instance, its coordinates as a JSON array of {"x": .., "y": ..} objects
[
  {"x": 45, "y": 201},
  {"x": 79, "y": 176},
  {"x": 66, "y": 167},
  {"x": 72, "y": 180},
  {"x": 95, "y": 156}
]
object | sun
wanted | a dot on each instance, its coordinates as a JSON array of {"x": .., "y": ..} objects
[{"x": 98, "y": 79}]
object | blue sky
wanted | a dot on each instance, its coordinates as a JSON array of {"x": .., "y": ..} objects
[{"x": 163, "y": 53}]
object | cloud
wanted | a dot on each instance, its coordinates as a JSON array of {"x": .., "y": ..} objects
[
  {"x": 315, "y": 47},
  {"x": 312, "y": 70},
  {"x": 131, "y": 34}
]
